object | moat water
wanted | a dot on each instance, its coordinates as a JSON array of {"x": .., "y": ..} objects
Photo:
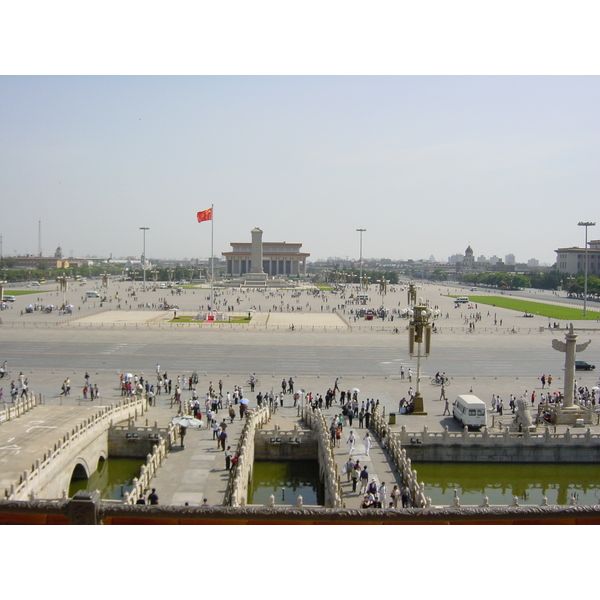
[
  {"x": 500, "y": 482},
  {"x": 296, "y": 477},
  {"x": 113, "y": 478}
]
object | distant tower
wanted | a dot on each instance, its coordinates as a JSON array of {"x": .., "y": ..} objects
[
  {"x": 469, "y": 261},
  {"x": 39, "y": 238},
  {"x": 58, "y": 253}
]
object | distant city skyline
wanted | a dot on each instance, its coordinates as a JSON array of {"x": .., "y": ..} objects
[{"x": 426, "y": 165}]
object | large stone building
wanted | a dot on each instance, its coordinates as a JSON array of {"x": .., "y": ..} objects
[
  {"x": 279, "y": 259},
  {"x": 572, "y": 260}
]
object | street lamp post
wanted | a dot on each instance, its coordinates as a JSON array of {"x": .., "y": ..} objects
[
  {"x": 144, "y": 229},
  {"x": 360, "y": 279},
  {"x": 585, "y": 224},
  {"x": 419, "y": 334}
]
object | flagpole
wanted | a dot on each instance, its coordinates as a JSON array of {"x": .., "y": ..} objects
[{"x": 212, "y": 260}]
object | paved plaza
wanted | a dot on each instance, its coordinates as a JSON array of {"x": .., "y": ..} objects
[{"x": 325, "y": 343}]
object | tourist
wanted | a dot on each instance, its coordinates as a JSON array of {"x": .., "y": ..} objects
[
  {"x": 395, "y": 495},
  {"x": 354, "y": 476},
  {"x": 348, "y": 466},
  {"x": 228, "y": 458},
  {"x": 351, "y": 440},
  {"x": 364, "y": 480},
  {"x": 405, "y": 495},
  {"x": 153, "y": 497},
  {"x": 382, "y": 491}
]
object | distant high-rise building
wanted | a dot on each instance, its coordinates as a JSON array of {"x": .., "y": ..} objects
[
  {"x": 494, "y": 260},
  {"x": 481, "y": 259},
  {"x": 509, "y": 259},
  {"x": 533, "y": 262}
]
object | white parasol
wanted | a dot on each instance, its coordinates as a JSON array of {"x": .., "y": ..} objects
[{"x": 187, "y": 421}]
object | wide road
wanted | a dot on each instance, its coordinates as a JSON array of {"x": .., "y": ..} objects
[{"x": 282, "y": 353}]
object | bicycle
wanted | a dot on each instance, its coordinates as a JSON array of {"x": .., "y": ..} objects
[
  {"x": 445, "y": 381},
  {"x": 256, "y": 383}
]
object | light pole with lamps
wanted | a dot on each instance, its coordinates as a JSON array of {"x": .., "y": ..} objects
[
  {"x": 360, "y": 279},
  {"x": 585, "y": 224},
  {"x": 419, "y": 337},
  {"x": 144, "y": 229}
]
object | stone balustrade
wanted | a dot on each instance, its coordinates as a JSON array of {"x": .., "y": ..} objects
[
  {"x": 328, "y": 469},
  {"x": 241, "y": 473},
  {"x": 393, "y": 443},
  {"x": 80, "y": 434},
  {"x": 153, "y": 461},
  {"x": 20, "y": 407},
  {"x": 505, "y": 437}
]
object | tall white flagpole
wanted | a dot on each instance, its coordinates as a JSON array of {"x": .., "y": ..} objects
[{"x": 212, "y": 260}]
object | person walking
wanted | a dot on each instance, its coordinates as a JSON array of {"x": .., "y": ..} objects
[
  {"x": 364, "y": 480},
  {"x": 354, "y": 476},
  {"x": 367, "y": 443},
  {"x": 395, "y": 495},
  {"x": 405, "y": 495},
  {"x": 447, "y": 407},
  {"x": 228, "y": 458},
  {"x": 348, "y": 468},
  {"x": 351, "y": 441},
  {"x": 153, "y": 497},
  {"x": 382, "y": 491}
]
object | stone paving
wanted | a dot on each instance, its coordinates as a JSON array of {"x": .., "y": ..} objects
[{"x": 198, "y": 470}]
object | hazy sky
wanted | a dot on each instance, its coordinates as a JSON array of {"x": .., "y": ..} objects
[{"x": 427, "y": 165}]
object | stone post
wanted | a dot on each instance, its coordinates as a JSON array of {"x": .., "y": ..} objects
[{"x": 84, "y": 507}]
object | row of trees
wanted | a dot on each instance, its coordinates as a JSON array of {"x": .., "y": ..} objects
[
  {"x": 551, "y": 280},
  {"x": 176, "y": 273}
]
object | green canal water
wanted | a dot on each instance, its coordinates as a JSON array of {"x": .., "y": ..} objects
[
  {"x": 297, "y": 477},
  {"x": 500, "y": 482},
  {"x": 114, "y": 476}
]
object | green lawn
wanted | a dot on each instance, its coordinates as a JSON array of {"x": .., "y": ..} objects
[
  {"x": 24, "y": 292},
  {"x": 537, "y": 308}
]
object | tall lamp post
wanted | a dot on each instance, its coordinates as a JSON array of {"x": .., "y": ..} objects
[
  {"x": 144, "y": 229},
  {"x": 419, "y": 338},
  {"x": 360, "y": 279},
  {"x": 585, "y": 224}
]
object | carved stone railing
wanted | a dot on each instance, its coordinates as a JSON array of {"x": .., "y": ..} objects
[
  {"x": 153, "y": 461},
  {"x": 86, "y": 508},
  {"x": 80, "y": 434},
  {"x": 241, "y": 473},
  {"x": 393, "y": 444},
  {"x": 20, "y": 407},
  {"x": 327, "y": 465},
  {"x": 506, "y": 437}
]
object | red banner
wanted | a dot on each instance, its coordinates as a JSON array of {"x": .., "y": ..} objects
[{"x": 205, "y": 215}]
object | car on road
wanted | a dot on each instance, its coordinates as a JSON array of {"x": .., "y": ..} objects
[
  {"x": 581, "y": 365},
  {"x": 9, "y": 298}
]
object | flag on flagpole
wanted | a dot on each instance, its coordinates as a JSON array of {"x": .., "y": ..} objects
[{"x": 205, "y": 215}]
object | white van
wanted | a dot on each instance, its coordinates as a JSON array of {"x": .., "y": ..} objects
[
  {"x": 362, "y": 297},
  {"x": 461, "y": 300},
  {"x": 92, "y": 294},
  {"x": 470, "y": 410}
]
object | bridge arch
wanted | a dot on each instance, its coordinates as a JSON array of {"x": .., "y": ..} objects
[{"x": 80, "y": 471}]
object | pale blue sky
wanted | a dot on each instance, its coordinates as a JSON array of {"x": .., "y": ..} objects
[{"x": 427, "y": 165}]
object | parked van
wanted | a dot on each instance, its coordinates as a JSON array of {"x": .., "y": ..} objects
[
  {"x": 362, "y": 297},
  {"x": 92, "y": 294},
  {"x": 470, "y": 410},
  {"x": 461, "y": 300}
]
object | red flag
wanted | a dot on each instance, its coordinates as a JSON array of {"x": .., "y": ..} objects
[{"x": 205, "y": 215}]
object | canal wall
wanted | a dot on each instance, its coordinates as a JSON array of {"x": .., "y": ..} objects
[{"x": 507, "y": 446}]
